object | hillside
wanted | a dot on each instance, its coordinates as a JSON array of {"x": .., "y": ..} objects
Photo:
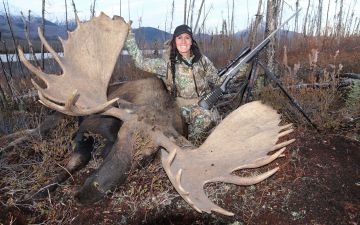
[{"x": 145, "y": 36}]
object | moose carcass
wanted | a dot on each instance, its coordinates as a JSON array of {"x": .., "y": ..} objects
[{"x": 242, "y": 140}]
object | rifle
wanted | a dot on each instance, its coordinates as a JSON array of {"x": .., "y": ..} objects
[
  {"x": 210, "y": 99},
  {"x": 243, "y": 52}
]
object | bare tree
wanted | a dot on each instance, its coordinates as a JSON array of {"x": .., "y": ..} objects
[
  {"x": 66, "y": 17},
  {"x": 74, "y": 7},
  {"x": 199, "y": 14},
  {"x": 339, "y": 27},
  {"x": 306, "y": 18},
  {"x": 349, "y": 21},
  {"x": 191, "y": 12},
  {"x": 120, "y": 7},
  {"x": 224, "y": 30},
  {"x": 255, "y": 25},
  {"x": 172, "y": 14},
  {"x": 357, "y": 27},
  {"x": 27, "y": 36},
  {"x": 272, "y": 14},
  {"x": 5, "y": 72},
  {"x": 205, "y": 16},
  {"x": 232, "y": 18},
  {"x": 3, "y": 98},
  {"x": 129, "y": 9},
  {"x": 8, "y": 18},
  {"x": 43, "y": 33},
  {"x": 296, "y": 27},
  {"x": 185, "y": 8},
  {"x": 327, "y": 20},
  {"x": 228, "y": 22},
  {"x": 92, "y": 9},
  {"x": 319, "y": 16}
]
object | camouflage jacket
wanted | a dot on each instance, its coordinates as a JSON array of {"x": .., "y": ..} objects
[{"x": 191, "y": 81}]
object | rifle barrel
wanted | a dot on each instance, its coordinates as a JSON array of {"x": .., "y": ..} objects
[{"x": 260, "y": 46}]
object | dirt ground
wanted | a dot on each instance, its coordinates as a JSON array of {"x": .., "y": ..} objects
[{"x": 318, "y": 183}]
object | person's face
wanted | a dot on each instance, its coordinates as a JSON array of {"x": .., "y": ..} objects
[{"x": 183, "y": 44}]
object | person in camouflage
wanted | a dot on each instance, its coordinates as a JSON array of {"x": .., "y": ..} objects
[{"x": 186, "y": 73}]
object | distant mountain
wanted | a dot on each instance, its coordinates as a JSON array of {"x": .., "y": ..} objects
[
  {"x": 151, "y": 35},
  {"x": 145, "y": 36},
  {"x": 52, "y": 30},
  {"x": 261, "y": 29}
]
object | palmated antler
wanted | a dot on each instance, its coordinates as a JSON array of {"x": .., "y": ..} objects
[
  {"x": 90, "y": 54},
  {"x": 241, "y": 141}
]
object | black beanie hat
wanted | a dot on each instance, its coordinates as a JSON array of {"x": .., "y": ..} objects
[{"x": 182, "y": 29}]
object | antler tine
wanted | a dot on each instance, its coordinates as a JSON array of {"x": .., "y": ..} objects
[
  {"x": 51, "y": 104},
  {"x": 69, "y": 108},
  {"x": 77, "y": 20},
  {"x": 50, "y": 49},
  {"x": 43, "y": 76},
  {"x": 286, "y": 126},
  {"x": 282, "y": 134},
  {"x": 222, "y": 211},
  {"x": 262, "y": 161},
  {"x": 282, "y": 144},
  {"x": 245, "y": 180},
  {"x": 177, "y": 178}
]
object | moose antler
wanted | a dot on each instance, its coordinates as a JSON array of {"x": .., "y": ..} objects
[
  {"x": 242, "y": 140},
  {"x": 90, "y": 54}
]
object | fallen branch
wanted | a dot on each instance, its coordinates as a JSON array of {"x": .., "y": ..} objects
[
  {"x": 41, "y": 130},
  {"x": 351, "y": 75},
  {"x": 343, "y": 83}
]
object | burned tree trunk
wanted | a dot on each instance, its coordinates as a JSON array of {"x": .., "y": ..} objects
[
  {"x": 43, "y": 33},
  {"x": 327, "y": 20},
  {"x": 339, "y": 27},
  {"x": 66, "y": 17},
  {"x": 296, "y": 27},
  {"x": 306, "y": 19},
  {"x": 319, "y": 20},
  {"x": 255, "y": 25},
  {"x": 272, "y": 14}
]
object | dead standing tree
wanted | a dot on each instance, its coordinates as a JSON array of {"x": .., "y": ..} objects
[
  {"x": 27, "y": 36},
  {"x": 306, "y": 19},
  {"x": 319, "y": 18},
  {"x": 43, "y": 34},
  {"x": 66, "y": 17},
  {"x": 8, "y": 18},
  {"x": 272, "y": 14},
  {"x": 255, "y": 25}
]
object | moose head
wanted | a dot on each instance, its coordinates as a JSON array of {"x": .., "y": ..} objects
[{"x": 242, "y": 140}]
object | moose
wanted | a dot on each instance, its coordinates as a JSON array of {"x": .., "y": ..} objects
[{"x": 144, "y": 108}]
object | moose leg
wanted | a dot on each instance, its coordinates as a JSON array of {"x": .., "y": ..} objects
[
  {"x": 112, "y": 172},
  {"x": 78, "y": 159},
  {"x": 106, "y": 126}
]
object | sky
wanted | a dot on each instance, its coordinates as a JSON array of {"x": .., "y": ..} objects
[{"x": 157, "y": 13}]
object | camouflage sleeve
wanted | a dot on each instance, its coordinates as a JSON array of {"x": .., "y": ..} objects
[
  {"x": 241, "y": 73},
  {"x": 157, "y": 66},
  {"x": 211, "y": 71}
]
